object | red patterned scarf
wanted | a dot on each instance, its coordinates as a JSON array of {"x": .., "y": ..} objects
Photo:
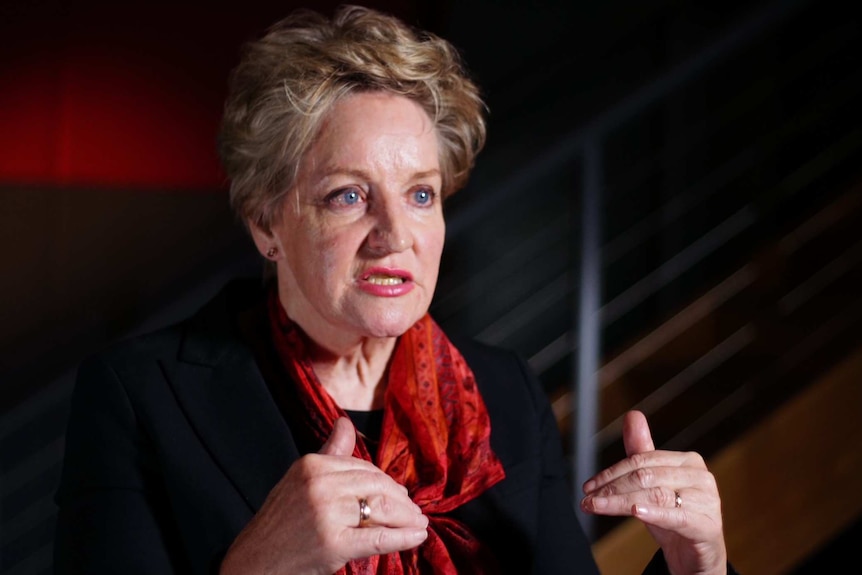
[{"x": 435, "y": 441}]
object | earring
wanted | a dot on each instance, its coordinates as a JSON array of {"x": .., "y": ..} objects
[{"x": 270, "y": 253}]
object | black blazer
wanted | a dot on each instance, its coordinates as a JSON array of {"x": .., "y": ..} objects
[{"x": 174, "y": 441}]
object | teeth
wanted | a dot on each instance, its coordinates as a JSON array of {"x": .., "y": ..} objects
[{"x": 385, "y": 280}]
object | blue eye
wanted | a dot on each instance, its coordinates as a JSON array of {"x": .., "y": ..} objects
[
  {"x": 350, "y": 197},
  {"x": 423, "y": 196},
  {"x": 344, "y": 197}
]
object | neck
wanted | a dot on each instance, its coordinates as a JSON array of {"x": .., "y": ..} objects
[
  {"x": 350, "y": 366},
  {"x": 355, "y": 377}
]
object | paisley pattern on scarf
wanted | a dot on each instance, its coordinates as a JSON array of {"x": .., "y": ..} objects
[{"x": 435, "y": 441}]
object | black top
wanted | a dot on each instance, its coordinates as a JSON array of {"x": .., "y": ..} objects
[{"x": 369, "y": 425}]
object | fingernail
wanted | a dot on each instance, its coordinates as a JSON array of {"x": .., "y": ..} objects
[
  {"x": 640, "y": 511},
  {"x": 420, "y": 535},
  {"x": 592, "y": 503}
]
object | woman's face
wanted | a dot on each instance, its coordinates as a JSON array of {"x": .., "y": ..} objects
[{"x": 360, "y": 236}]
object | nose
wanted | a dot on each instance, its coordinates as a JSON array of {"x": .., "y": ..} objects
[{"x": 391, "y": 231}]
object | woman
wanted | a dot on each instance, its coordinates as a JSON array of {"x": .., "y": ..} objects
[{"x": 228, "y": 443}]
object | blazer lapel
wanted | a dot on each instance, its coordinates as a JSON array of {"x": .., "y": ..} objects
[{"x": 220, "y": 388}]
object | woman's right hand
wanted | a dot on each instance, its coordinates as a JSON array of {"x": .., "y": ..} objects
[{"x": 309, "y": 522}]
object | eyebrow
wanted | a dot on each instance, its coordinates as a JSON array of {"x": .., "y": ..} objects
[
  {"x": 337, "y": 171},
  {"x": 426, "y": 174}
]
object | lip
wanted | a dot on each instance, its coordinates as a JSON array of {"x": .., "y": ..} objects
[{"x": 395, "y": 290}]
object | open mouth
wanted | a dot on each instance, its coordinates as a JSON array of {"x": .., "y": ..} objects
[{"x": 385, "y": 280}]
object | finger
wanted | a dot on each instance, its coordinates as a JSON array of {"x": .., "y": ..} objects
[
  {"x": 648, "y": 477},
  {"x": 342, "y": 440},
  {"x": 384, "y": 510},
  {"x": 642, "y": 461},
  {"x": 636, "y": 434},
  {"x": 337, "y": 483},
  {"x": 382, "y": 540},
  {"x": 662, "y": 496},
  {"x": 389, "y": 501},
  {"x": 682, "y": 520}
]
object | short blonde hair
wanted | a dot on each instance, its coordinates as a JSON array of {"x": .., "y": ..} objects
[{"x": 287, "y": 81}]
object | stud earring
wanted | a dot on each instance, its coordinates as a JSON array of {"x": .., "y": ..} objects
[{"x": 270, "y": 253}]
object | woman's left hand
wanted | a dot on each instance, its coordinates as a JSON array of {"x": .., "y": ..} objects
[{"x": 672, "y": 492}]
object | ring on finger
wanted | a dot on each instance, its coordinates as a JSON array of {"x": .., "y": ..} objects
[
  {"x": 677, "y": 499},
  {"x": 364, "y": 512}
]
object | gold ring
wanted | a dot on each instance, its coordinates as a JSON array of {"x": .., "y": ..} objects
[
  {"x": 364, "y": 512},
  {"x": 677, "y": 501}
]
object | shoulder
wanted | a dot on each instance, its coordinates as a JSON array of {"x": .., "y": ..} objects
[
  {"x": 512, "y": 393},
  {"x": 488, "y": 361},
  {"x": 131, "y": 358},
  {"x": 498, "y": 370},
  {"x": 206, "y": 332},
  {"x": 478, "y": 352}
]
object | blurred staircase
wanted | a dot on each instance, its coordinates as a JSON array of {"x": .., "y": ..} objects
[
  {"x": 748, "y": 344},
  {"x": 767, "y": 363}
]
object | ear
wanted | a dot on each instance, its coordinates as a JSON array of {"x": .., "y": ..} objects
[{"x": 263, "y": 239}]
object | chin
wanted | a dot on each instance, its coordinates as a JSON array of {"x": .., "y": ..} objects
[{"x": 391, "y": 323}]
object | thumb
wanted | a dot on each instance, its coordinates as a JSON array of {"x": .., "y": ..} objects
[
  {"x": 342, "y": 440},
  {"x": 636, "y": 434}
]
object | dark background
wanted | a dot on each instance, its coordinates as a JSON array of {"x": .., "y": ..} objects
[{"x": 114, "y": 217}]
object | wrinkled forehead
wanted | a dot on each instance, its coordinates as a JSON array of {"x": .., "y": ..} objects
[{"x": 375, "y": 130}]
